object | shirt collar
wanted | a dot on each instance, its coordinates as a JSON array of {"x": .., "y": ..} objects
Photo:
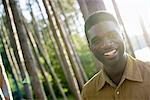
[{"x": 132, "y": 73}]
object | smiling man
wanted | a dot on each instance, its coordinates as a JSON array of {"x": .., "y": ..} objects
[{"x": 122, "y": 76}]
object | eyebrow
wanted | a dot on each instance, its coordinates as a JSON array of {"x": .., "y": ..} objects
[{"x": 94, "y": 39}]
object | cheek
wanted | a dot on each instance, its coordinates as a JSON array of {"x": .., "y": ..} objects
[
  {"x": 98, "y": 55},
  {"x": 122, "y": 45},
  {"x": 96, "y": 50}
]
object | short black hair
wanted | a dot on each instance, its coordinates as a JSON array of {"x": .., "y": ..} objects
[{"x": 97, "y": 17}]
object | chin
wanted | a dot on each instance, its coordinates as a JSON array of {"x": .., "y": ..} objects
[{"x": 110, "y": 62}]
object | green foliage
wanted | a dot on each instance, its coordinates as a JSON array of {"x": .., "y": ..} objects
[
  {"x": 86, "y": 57},
  {"x": 55, "y": 64}
]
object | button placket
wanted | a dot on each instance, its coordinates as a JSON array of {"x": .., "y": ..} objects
[{"x": 117, "y": 93}]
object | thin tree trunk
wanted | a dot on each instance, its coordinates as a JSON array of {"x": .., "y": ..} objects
[
  {"x": 58, "y": 52},
  {"x": 73, "y": 45},
  {"x": 40, "y": 66},
  {"x": 95, "y": 5},
  {"x": 28, "y": 92},
  {"x": 89, "y": 6},
  {"x": 10, "y": 55},
  {"x": 35, "y": 25},
  {"x": 5, "y": 86},
  {"x": 12, "y": 63},
  {"x": 76, "y": 17},
  {"x": 84, "y": 8},
  {"x": 67, "y": 69},
  {"x": 68, "y": 49},
  {"x": 41, "y": 11},
  {"x": 27, "y": 52}
]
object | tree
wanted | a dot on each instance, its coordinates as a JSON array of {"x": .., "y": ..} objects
[
  {"x": 8, "y": 60},
  {"x": 14, "y": 46},
  {"x": 67, "y": 68},
  {"x": 87, "y": 7},
  {"x": 70, "y": 41},
  {"x": 27, "y": 52},
  {"x": 68, "y": 48}
]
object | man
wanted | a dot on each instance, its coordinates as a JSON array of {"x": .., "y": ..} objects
[{"x": 122, "y": 76}]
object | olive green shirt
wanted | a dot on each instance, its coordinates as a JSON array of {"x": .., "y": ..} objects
[{"x": 134, "y": 85}]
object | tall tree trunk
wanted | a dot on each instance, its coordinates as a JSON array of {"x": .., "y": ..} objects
[
  {"x": 84, "y": 8},
  {"x": 5, "y": 83},
  {"x": 10, "y": 55},
  {"x": 41, "y": 11},
  {"x": 68, "y": 49},
  {"x": 89, "y": 6},
  {"x": 9, "y": 22},
  {"x": 76, "y": 16},
  {"x": 35, "y": 25},
  {"x": 40, "y": 66},
  {"x": 53, "y": 43},
  {"x": 67, "y": 68},
  {"x": 62, "y": 61},
  {"x": 95, "y": 5},
  {"x": 27, "y": 52},
  {"x": 12, "y": 63},
  {"x": 72, "y": 44}
]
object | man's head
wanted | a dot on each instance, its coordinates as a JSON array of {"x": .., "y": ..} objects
[{"x": 104, "y": 37}]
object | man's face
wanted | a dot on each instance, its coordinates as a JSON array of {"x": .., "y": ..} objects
[{"x": 106, "y": 43}]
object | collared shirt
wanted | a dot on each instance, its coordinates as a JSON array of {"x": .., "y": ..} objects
[{"x": 134, "y": 85}]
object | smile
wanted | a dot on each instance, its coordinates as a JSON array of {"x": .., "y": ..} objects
[{"x": 111, "y": 54}]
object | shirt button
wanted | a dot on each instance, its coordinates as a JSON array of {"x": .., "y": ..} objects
[{"x": 117, "y": 92}]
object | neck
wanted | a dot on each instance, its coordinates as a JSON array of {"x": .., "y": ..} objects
[{"x": 116, "y": 71}]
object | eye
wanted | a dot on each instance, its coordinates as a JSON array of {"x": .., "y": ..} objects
[
  {"x": 95, "y": 40},
  {"x": 95, "y": 46}
]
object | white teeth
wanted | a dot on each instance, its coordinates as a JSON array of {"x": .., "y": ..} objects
[{"x": 110, "y": 53}]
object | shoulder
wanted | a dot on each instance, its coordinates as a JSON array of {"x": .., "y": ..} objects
[
  {"x": 90, "y": 86},
  {"x": 144, "y": 68},
  {"x": 93, "y": 79}
]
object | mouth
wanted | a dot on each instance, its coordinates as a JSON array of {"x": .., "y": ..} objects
[{"x": 111, "y": 54}]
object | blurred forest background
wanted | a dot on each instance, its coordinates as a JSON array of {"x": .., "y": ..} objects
[{"x": 44, "y": 49}]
